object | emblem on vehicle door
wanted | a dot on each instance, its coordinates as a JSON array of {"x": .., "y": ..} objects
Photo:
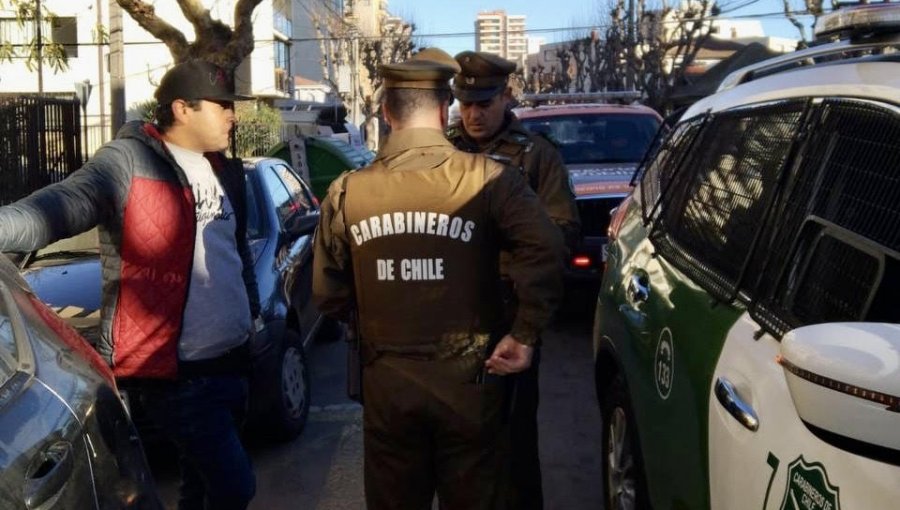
[
  {"x": 664, "y": 363},
  {"x": 808, "y": 488}
]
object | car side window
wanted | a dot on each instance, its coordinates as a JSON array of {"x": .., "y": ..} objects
[
  {"x": 281, "y": 197},
  {"x": 713, "y": 210},
  {"x": 657, "y": 173},
  {"x": 299, "y": 194},
  {"x": 833, "y": 253},
  {"x": 254, "y": 218}
]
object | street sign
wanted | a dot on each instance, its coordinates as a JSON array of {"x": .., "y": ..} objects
[{"x": 83, "y": 93}]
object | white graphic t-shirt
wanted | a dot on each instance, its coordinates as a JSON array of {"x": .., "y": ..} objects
[{"x": 217, "y": 312}]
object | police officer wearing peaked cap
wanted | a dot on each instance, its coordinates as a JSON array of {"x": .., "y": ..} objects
[
  {"x": 488, "y": 126},
  {"x": 410, "y": 244}
]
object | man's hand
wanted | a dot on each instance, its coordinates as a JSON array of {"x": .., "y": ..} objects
[{"x": 509, "y": 357}]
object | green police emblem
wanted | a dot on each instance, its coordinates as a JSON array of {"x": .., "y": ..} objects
[{"x": 808, "y": 488}]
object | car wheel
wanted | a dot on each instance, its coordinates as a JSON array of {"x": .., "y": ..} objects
[
  {"x": 291, "y": 409},
  {"x": 623, "y": 483}
]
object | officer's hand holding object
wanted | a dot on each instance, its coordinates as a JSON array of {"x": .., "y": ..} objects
[{"x": 509, "y": 357}]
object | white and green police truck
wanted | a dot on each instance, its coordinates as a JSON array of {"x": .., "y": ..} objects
[{"x": 746, "y": 337}]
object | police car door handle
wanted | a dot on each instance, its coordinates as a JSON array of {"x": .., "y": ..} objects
[
  {"x": 638, "y": 289},
  {"x": 735, "y": 405}
]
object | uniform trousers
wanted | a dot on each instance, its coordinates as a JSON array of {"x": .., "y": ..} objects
[
  {"x": 433, "y": 426},
  {"x": 526, "y": 492}
]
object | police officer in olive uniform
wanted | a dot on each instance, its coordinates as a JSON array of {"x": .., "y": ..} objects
[
  {"x": 488, "y": 126},
  {"x": 411, "y": 244}
]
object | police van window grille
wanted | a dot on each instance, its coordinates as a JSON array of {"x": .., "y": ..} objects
[
  {"x": 826, "y": 291},
  {"x": 715, "y": 212},
  {"x": 848, "y": 177},
  {"x": 658, "y": 172}
]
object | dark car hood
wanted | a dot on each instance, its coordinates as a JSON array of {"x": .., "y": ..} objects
[
  {"x": 75, "y": 283},
  {"x": 72, "y": 290},
  {"x": 601, "y": 178}
]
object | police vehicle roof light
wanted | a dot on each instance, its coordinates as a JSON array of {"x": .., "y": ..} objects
[{"x": 859, "y": 19}]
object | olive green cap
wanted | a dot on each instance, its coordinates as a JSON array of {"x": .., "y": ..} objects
[
  {"x": 482, "y": 75},
  {"x": 430, "y": 68}
]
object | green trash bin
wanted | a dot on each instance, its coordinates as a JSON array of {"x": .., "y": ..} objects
[{"x": 327, "y": 157}]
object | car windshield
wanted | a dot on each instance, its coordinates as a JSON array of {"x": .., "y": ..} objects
[{"x": 597, "y": 138}]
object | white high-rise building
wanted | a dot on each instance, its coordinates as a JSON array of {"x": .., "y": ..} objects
[{"x": 501, "y": 34}]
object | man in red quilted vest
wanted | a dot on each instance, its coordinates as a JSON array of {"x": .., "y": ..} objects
[{"x": 179, "y": 293}]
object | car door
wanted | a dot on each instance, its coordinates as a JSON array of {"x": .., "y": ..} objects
[
  {"x": 832, "y": 257},
  {"x": 298, "y": 214},
  {"x": 681, "y": 284},
  {"x": 44, "y": 457}
]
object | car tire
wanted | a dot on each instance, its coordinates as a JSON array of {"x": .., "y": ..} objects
[
  {"x": 290, "y": 411},
  {"x": 624, "y": 486}
]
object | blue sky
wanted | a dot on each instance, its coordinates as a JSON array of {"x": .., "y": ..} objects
[{"x": 458, "y": 16}]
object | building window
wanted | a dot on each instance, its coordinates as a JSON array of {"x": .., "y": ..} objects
[
  {"x": 282, "y": 66},
  {"x": 282, "y": 55},
  {"x": 60, "y": 30},
  {"x": 283, "y": 24},
  {"x": 65, "y": 32}
]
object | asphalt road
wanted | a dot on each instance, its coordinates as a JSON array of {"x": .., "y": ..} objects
[{"x": 322, "y": 469}]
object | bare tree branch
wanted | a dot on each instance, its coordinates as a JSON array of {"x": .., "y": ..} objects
[
  {"x": 215, "y": 41},
  {"x": 789, "y": 14},
  {"x": 145, "y": 16}
]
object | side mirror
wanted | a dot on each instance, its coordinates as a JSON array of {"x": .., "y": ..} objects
[
  {"x": 300, "y": 225},
  {"x": 844, "y": 378}
]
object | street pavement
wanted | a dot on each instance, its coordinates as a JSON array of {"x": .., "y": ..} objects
[{"x": 322, "y": 468}]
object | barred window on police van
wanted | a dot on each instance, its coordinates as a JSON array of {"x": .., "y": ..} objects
[{"x": 716, "y": 206}]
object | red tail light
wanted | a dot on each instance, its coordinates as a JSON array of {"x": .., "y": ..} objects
[
  {"x": 618, "y": 218},
  {"x": 581, "y": 261}
]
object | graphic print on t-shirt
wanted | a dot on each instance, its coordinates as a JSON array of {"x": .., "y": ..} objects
[{"x": 210, "y": 202}]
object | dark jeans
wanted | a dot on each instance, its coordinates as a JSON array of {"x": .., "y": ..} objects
[
  {"x": 201, "y": 415},
  {"x": 527, "y": 491}
]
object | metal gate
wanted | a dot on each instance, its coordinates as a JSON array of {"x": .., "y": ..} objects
[{"x": 40, "y": 143}]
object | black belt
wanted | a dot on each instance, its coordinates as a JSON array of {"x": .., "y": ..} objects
[
  {"x": 235, "y": 361},
  {"x": 424, "y": 352}
]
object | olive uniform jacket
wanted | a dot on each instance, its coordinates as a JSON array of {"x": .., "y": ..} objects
[
  {"x": 411, "y": 244},
  {"x": 540, "y": 163}
]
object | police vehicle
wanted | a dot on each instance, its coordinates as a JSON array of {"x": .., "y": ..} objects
[
  {"x": 601, "y": 144},
  {"x": 746, "y": 337}
]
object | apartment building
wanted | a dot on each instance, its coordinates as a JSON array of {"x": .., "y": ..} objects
[
  {"x": 369, "y": 15},
  {"x": 501, "y": 34}
]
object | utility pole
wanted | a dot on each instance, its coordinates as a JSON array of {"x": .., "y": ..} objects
[
  {"x": 629, "y": 71},
  {"x": 40, "y": 46},
  {"x": 116, "y": 67},
  {"x": 354, "y": 78},
  {"x": 101, "y": 82}
]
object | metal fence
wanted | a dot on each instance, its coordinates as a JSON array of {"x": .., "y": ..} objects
[{"x": 40, "y": 143}]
